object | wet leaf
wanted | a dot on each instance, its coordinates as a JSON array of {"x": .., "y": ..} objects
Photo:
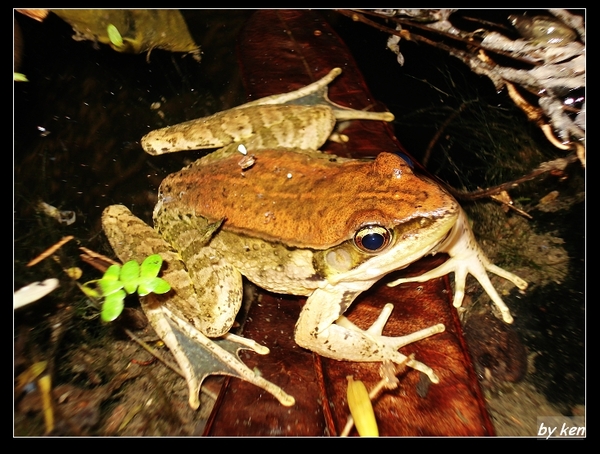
[{"x": 132, "y": 31}]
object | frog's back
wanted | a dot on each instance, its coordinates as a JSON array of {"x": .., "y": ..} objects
[{"x": 303, "y": 199}]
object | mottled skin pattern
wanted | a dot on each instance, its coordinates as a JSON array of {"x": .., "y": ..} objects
[
  {"x": 296, "y": 221},
  {"x": 283, "y": 200}
]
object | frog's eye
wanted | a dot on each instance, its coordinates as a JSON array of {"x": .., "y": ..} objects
[
  {"x": 406, "y": 159},
  {"x": 372, "y": 238}
]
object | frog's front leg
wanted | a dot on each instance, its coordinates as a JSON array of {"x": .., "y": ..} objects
[
  {"x": 323, "y": 329},
  {"x": 467, "y": 257}
]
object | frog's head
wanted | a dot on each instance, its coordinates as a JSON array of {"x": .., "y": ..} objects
[{"x": 399, "y": 218}]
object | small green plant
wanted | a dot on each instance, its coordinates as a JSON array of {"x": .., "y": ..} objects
[{"x": 119, "y": 281}]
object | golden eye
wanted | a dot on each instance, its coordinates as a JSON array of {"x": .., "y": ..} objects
[{"x": 372, "y": 238}]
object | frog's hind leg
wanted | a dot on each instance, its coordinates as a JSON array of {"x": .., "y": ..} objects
[
  {"x": 317, "y": 94},
  {"x": 199, "y": 356}
]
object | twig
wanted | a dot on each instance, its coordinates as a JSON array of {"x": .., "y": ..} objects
[
  {"x": 51, "y": 250},
  {"x": 549, "y": 166},
  {"x": 98, "y": 261},
  {"x": 441, "y": 130},
  {"x": 154, "y": 353}
]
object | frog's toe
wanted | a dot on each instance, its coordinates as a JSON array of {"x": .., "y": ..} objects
[
  {"x": 376, "y": 329},
  {"x": 392, "y": 344},
  {"x": 199, "y": 356}
]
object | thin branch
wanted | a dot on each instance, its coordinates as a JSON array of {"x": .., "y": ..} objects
[{"x": 557, "y": 164}]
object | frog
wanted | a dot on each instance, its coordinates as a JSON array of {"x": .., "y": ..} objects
[
  {"x": 270, "y": 207},
  {"x": 543, "y": 30}
]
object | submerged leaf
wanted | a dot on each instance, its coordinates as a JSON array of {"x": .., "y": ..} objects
[
  {"x": 132, "y": 30},
  {"x": 114, "y": 36}
]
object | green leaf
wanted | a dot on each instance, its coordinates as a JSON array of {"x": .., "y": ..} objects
[
  {"x": 19, "y": 77},
  {"x": 151, "y": 266},
  {"x": 112, "y": 273},
  {"x": 153, "y": 285},
  {"x": 114, "y": 36},
  {"x": 113, "y": 306},
  {"x": 161, "y": 286},
  {"x": 90, "y": 291},
  {"x": 130, "y": 271},
  {"x": 130, "y": 287},
  {"x": 109, "y": 286},
  {"x": 118, "y": 281},
  {"x": 129, "y": 276}
]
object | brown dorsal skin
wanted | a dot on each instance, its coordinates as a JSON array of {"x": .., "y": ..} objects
[
  {"x": 290, "y": 200},
  {"x": 282, "y": 51}
]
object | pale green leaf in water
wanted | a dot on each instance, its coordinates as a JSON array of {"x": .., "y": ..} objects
[{"x": 114, "y": 36}]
